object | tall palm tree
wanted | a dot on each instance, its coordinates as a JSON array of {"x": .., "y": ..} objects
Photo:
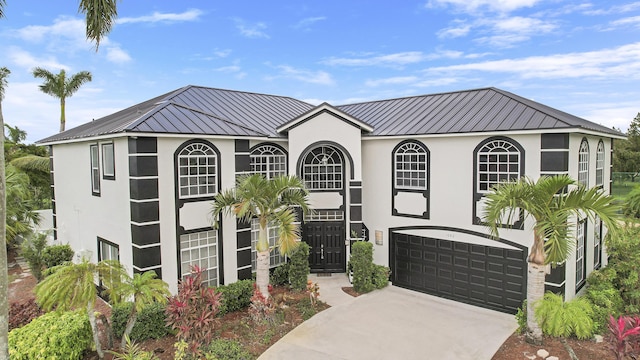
[
  {"x": 552, "y": 202},
  {"x": 144, "y": 289},
  {"x": 72, "y": 287},
  {"x": 272, "y": 202},
  {"x": 4, "y": 275},
  {"x": 61, "y": 87}
]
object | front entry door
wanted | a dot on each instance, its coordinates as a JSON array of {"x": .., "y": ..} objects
[{"x": 327, "y": 242}]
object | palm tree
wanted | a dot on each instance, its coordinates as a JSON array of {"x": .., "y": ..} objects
[
  {"x": 551, "y": 202},
  {"x": 272, "y": 202},
  {"x": 61, "y": 87},
  {"x": 4, "y": 275},
  {"x": 72, "y": 286},
  {"x": 144, "y": 289},
  {"x": 20, "y": 206}
]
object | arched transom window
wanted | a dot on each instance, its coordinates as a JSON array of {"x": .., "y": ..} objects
[
  {"x": 411, "y": 167},
  {"x": 498, "y": 161},
  {"x": 269, "y": 161},
  {"x": 600, "y": 164},
  {"x": 583, "y": 163},
  {"x": 322, "y": 169},
  {"x": 197, "y": 171}
]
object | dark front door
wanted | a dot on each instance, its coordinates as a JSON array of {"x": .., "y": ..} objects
[{"x": 327, "y": 242}]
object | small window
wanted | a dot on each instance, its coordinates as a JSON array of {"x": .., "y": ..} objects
[
  {"x": 600, "y": 164},
  {"x": 95, "y": 170},
  {"x": 581, "y": 268},
  {"x": 275, "y": 258},
  {"x": 268, "y": 160},
  {"x": 107, "y": 250},
  {"x": 197, "y": 171},
  {"x": 200, "y": 249},
  {"x": 108, "y": 162},
  {"x": 583, "y": 163},
  {"x": 411, "y": 167}
]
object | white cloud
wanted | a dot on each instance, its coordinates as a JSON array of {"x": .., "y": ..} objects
[
  {"x": 116, "y": 55},
  {"x": 156, "y": 17},
  {"x": 616, "y": 9},
  {"x": 610, "y": 115},
  {"x": 471, "y": 6},
  {"x": 620, "y": 62},
  {"x": 313, "y": 77},
  {"x": 26, "y": 60},
  {"x": 633, "y": 20},
  {"x": 454, "y": 31},
  {"x": 399, "y": 80},
  {"x": 306, "y": 23},
  {"x": 402, "y": 58},
  {"x": 254, "y": 31}
]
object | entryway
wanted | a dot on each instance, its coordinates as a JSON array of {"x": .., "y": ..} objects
[{"x": 327, "y": 242}]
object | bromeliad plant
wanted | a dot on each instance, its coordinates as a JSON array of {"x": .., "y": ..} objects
[{"x": 624, "y": 333}]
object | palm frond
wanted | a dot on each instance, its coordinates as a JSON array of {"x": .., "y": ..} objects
[
  {"x": 32, "y": 162},
  {"x": 75, "y": 81},
  {"x": 4, "y": 73},
  {"x": 100, "y": 17}
]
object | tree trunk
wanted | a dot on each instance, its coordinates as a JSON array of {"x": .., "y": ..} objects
[
  {"x": 262, "y": 260},
  {"x": 4, "y": 277},
  {"x": 130, "y": 324},
  {"x": 62, "y": 115},
  {"x": 94, "y": 329},
  {"x": 535, "y": 292}
]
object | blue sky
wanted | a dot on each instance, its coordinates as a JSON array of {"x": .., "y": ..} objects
[{"x": 579, "y": 56}]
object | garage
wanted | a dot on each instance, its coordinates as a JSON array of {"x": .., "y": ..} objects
[{"x": 461, "y": 266}]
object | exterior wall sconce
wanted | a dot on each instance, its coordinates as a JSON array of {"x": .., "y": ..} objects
[{"x": 378, "y": 237}]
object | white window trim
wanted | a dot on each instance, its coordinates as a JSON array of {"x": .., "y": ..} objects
[
  {"x": 507, "y": 149},
  {"x": 418, "y": 170},
  {"x": 108, "y": 173},
  {"x": 583, "y": 163},
  {"x": 317, "y": 171},
  {"x": 94, "y": 155},
  {"x": 210, "y": 186},
  {"x": 211, "y": 260},
  {"x": 270, "y": 157},
  {"x": 580, "y": 253},
  {"x": 600, "y": 164}
]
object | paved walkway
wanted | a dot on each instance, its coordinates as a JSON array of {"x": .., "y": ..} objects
[{"x": 393, "y": 323}]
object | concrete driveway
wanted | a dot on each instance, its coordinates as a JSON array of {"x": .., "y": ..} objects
[{"x": 395, "y": 323}]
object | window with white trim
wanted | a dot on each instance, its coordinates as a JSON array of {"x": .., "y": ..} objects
[
  {"x": 597, "y": 243},
  {"x": 581, "y": 268},
  {"x": 275, "y": 258},
  {"x": 268, "y": 160},
  {"x": 497, "y": 161},
  {"x": 197, "y": 171},
  {"x": 322, "y": 169},
  {"x": 108, "y": 162},
  {"x": 107, "y": 250},
  {"x": 200, "y": 249},
  {"x": 583, "y": 163},
  {"x": 411, "y": 166},
  {"x": 95, "y": 169},
  {"x": 600, "y": 164}
]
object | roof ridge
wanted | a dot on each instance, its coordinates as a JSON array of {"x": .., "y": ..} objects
[
  {"x": 247, "y": 92},
  {"x": 416, "y": 96}
]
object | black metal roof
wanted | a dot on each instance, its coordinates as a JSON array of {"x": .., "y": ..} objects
[{"x": 208, "y": 111}]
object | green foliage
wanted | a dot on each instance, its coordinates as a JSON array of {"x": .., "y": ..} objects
[
  {"x": 562, "y": 319},
  {"x": 224, "y": 349},
  {"x": 55, "y": 335},
  {"x": 632, "y": 204},
  {"x": 623, "y": 269},
  {"x": 280, "y": 275},
  {"x": 521, "y": 318},
  {"x": 32, "y": 250},
  {"x": 20, "y": 205},
  {"x": 299, "y": 269},
  {"x": 306, "y": 308},
  {"x": 235, "y": 296},
  {"x": 55, "y": 255},
  {"x": 362, "y": 263},
  {"x": 132, "y": 351},
  {"x": 380, "y": 276},
  {"x": 151, "y": 322},
  {"x": 626, "y": 153}
]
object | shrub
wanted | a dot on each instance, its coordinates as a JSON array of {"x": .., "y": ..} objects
[
  {"x": 235, "y": 296},
  {"x": 605, "y": 300},
  {"x": 32, "y": 250},
  {"x": 624, "y": 335},
  {"x": 380, "y": 276},
  {"x": 55, "y": 335},
  {"x": 299, "y": 269},
  {"x": 521, "y": 318},
  {"x": 23, "y": 312},
  {"x": 362, "y": 262},
  {"x": 192, "y": 313},
  {"x": 150, "y": 324},
  {"x": 133, "y": 351},
  {"x": 55, "y": 255},
  {"x": 261, "y": 308},
  {"x": 280, "y": 275},
  {"x": 562, "y": 319},
  {"x": 623, "y": 270},
  {"x": 306, "y": 309},
  {"x": 224, "y": 349}
]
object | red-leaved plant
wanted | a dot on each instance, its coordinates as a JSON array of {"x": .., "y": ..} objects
[
  {"x": 261, "y": 307},
  {"x": 623, "y": 334},
  {"x": 192, "y": 313}
]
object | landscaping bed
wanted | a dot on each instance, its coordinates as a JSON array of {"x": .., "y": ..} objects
[{"x": 516, "y": 348}]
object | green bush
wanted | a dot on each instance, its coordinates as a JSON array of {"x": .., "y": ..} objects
[
  {"x": 32, "y": 250},
  {"x": 604, "y": 297},
  {"x": 235, "y": 296},
  {"x": 380, "y": 276},
  {"x": 224, "y": 349},
  {"x": 562, "y": 319},
  {"x": 521, "y": 318},
  {"x": 55, "y": 255},
  {"x": 632, "y": 204},
  {"x": 362, "y": 263},
  {"x": 299, "y": 269},
  {"x": 623, "y": 270},
  {"x": 280, "y": 275},
  {"x": 55, "y": 335},
  {"x": 150, "y": 324}
]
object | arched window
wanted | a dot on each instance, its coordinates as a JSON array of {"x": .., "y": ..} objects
[
  {"x": 197, "y": 171},
  {"x": 600, "y": 164},
  {"x": 498, "y": 160},
  {"x": 268, "y": 160},
  {"x": 323, "y": 168},
  {"x": 583, "y": 163},
  {"x": 411, "y": 167}
]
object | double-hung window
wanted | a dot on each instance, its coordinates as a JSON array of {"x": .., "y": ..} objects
[
  {"x": 581, "y": 268},
  {"x": 108, "y": 162},
  {"x": 583, "y": 163},
  {"x": 95, "y": 169}
]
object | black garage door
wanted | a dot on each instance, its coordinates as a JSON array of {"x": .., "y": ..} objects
[{"x": 485, "y": 276}]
